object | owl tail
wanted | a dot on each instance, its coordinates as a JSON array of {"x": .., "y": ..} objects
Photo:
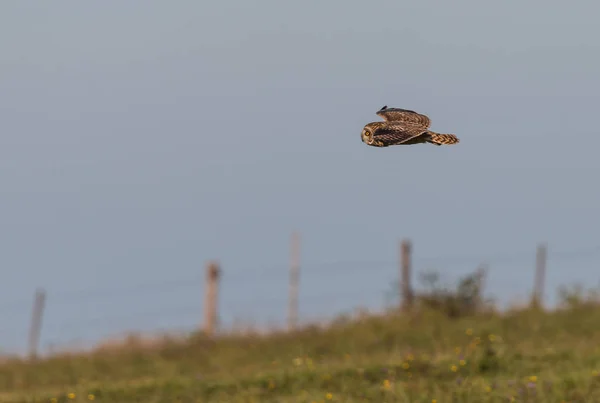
[{"x": 439, "y": 139}]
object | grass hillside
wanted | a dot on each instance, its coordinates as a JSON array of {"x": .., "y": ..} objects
[{"x": 521, "y": 356}]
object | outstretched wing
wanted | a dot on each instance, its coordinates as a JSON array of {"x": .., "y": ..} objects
[
  {"x": 404, "y": 115},
  {"x": 397, "y": 132}
]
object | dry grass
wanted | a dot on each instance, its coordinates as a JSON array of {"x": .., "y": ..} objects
[{"x": 525, "y": 355}]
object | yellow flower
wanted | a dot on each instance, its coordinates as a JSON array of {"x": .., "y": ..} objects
[
  {"x": 410, "y": 357},
  {"x": 454, "y": 368},
  {"x": 329, "y": 396},
  {"x": 469, "y": 332},
  {"x": 595, "y": 373},
  {"x": 462, "y": 363},
  {"x": 271, "y": 385},
  {"x": 457, "y": 350},
  {"x": 71, "y": 395},
  {"x": 91, "y": 397},
  {"x": 53, "y": 400},
  {"x": 533, "y": 378},
  {"x": 488, "y": 389},
  {"x": 492, "y": 337},
  {"x": 433, "y": 401},
  {"x": 297, "y": 361},
  {"x": 405, "y": 365},
  {"x": 386, "y": 384},
  {"x": 477, "y": 340}
]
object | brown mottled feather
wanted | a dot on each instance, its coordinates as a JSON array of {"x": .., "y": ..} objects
[
  {"x": 439, "y": 139},
  {"x": 403, "y": 127},
  {"x": 396, "y": 132},
  {"x": 404, "y": 115}
]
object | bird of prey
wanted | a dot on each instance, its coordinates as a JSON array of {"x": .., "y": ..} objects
[{"x": 402, "y": 127}]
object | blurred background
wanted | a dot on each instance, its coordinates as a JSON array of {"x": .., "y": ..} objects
[{"x": 138, "y": 142}]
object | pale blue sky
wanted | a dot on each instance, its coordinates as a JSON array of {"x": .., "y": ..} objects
[{"x": 140, "y": 139}]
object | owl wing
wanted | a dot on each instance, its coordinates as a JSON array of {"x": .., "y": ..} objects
[
  {"x": 397, "y": 132},
  {"x": 404, "y": 115}
]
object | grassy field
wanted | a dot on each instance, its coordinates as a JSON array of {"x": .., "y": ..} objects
[{"x": 522, "y": 356}]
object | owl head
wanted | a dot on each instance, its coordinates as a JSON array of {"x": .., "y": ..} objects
[{"x": 367, "y": 133}]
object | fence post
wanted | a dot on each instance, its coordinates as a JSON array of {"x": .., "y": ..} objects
[
  {"x": 294, "y": 280},
  {"x": 480, "y": 277},
  {"x": 540, "y": 274},
  {"x": 406, "y": 292},
  {"x": 36, "y": 322},
  {"x": 213, "y": 273}
]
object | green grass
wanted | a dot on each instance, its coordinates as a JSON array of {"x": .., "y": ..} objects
[{"x": 524, "y": 356}]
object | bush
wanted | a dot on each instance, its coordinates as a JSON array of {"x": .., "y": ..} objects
[{"x": 465, "y": 300}]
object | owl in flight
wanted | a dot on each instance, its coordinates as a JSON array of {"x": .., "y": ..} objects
[{"x": 402, "y": 127}]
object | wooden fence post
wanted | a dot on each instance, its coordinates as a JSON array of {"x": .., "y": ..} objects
[
  {"x": 36, "y": 322},
  {"x": 406, "y": 292},
  {"x": 480, "y": 277},
  {"x": 294, "y": 280},
  {"x": 213, "y": 273},
  {"x": 540, "y": 274}
]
